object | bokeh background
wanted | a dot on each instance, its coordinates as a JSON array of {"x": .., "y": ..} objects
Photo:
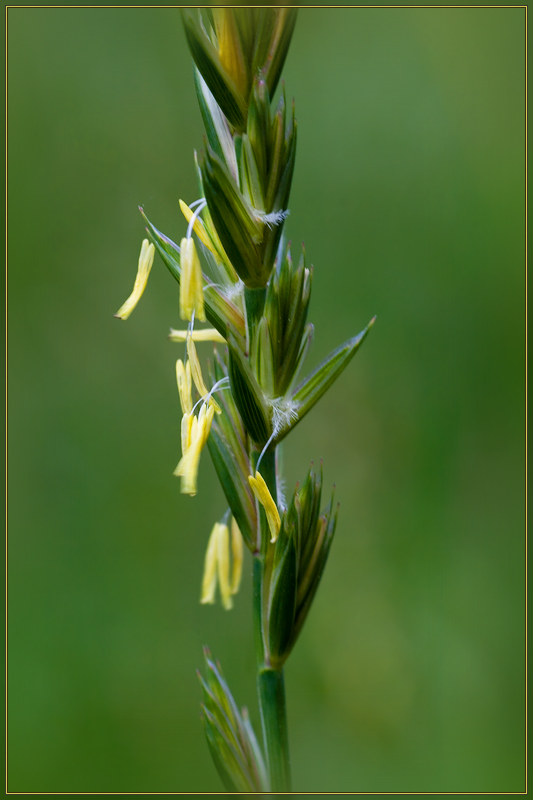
[{"x": 409, "y": 194}]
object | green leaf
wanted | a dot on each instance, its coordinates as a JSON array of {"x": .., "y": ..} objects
[
  {"x": 229, "y": 422},
  {"x": 286, "y": 530},
  {"x": 252, "y": 174},
  {"x": 297, "y": 317},
  {"x": 309, "y": 509},
  {"x": 271, "y": 312},
  {"x": 220, "y": 689},
  {"x": 234, "y": 485},
  {"x": 311, "y": 389},
  {"x": 284, "y": 184},
  {"x": 277, "y": 155},
  {"x": 255, "y": 757},
  {"x": 221, "y": 254},
  {"x": 265, "y": 26},
  {"x": 307, "y": 340},
  {"x": 285, "y": 276},
  {"x": 216, "y": 124},
  {"x": 246, "y": 19},
  {"x": 228, "y": 764},
  {"x": 238, "y": 230},
  {"x": 235, "y": 61},
  {"x": 309, "y": 581},
  {"x": 259, "y": 126},
  {"x": 248, "y": 395},
  {"x": 282, "y": 605},
  {"x": 236, "y": 753},
  {"x": 273, "y": 40},
  {"x": 217, "y": 706},
  {"x": 207, "y": 60},
  {"x": 265, "y": 360},
  {"x": 281, "y": 198}
]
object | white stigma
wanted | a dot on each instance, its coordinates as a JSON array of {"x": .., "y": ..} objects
[
  {"x": 284, "y": 413},
  {"x": 273, "y": 219}
]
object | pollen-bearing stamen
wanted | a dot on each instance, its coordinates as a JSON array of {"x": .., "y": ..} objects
[
  {"x": 197, "y": 435},
  {"x": 194, "y": 429},
  {"x": 217, "y": 570},
  {"x": 205, "y": 335},
  {"x": 146, "y": 259},
  {"x": 261, "y": 491},
  {"x": 191, "y": 287}
]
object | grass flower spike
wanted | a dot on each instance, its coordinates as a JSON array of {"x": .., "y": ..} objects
[
  {"x": 146, "y": 259},
  {"x": 255, "y": 298}
]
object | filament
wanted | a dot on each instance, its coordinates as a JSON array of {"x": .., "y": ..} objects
[
  {"x": 263, "y": 451},
  {"x": 201, "y": 205},
  {"x": 216, "y": 388}
]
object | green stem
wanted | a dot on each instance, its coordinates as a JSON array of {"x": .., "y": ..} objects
[
  {"x": 270, "y": 682},
  {"x": 271, "y": 687},
  {"x": 258, "y": 568}
]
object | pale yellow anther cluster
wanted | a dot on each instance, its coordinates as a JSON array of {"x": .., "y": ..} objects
[
  {"x": 260, "y": 489},
  {"x": 194, "y": 433},
  {"x": 183, "y": 379},
  {"x": 146, "y": 259},
  {"x": 205, "y": 335},
  {"x": 217, "y": 564},
  {"x": 191, "y": 282},
  {"x": 194, "y": 429}
]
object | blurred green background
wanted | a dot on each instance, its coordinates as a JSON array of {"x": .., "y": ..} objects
[{"x": 409, "y": 194}]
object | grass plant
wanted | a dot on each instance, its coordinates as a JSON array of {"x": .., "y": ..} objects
[{"x": 255, "y": 299}]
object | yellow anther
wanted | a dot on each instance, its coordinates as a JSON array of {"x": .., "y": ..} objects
[
  {"x": 237, "y": 553},
  {"x": 217, "y": 564},
  {"x": 209, "y": 582},
  {"x": 146, "y": 259},
  {"x": 223, "y": 567},
  {"x": 260, "y": 489},
  {"x": 194, "y": 438},
  {"x": 205, "y": 418},
  {"x": 191, "y": 282},
  {"x": 205, "y": 335},
  {"x": 183, "y": 379},
  {"x": 186, "y": 430},
  {"x": 197, "y": 377},
  {"x": 198, "y": 228}
]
